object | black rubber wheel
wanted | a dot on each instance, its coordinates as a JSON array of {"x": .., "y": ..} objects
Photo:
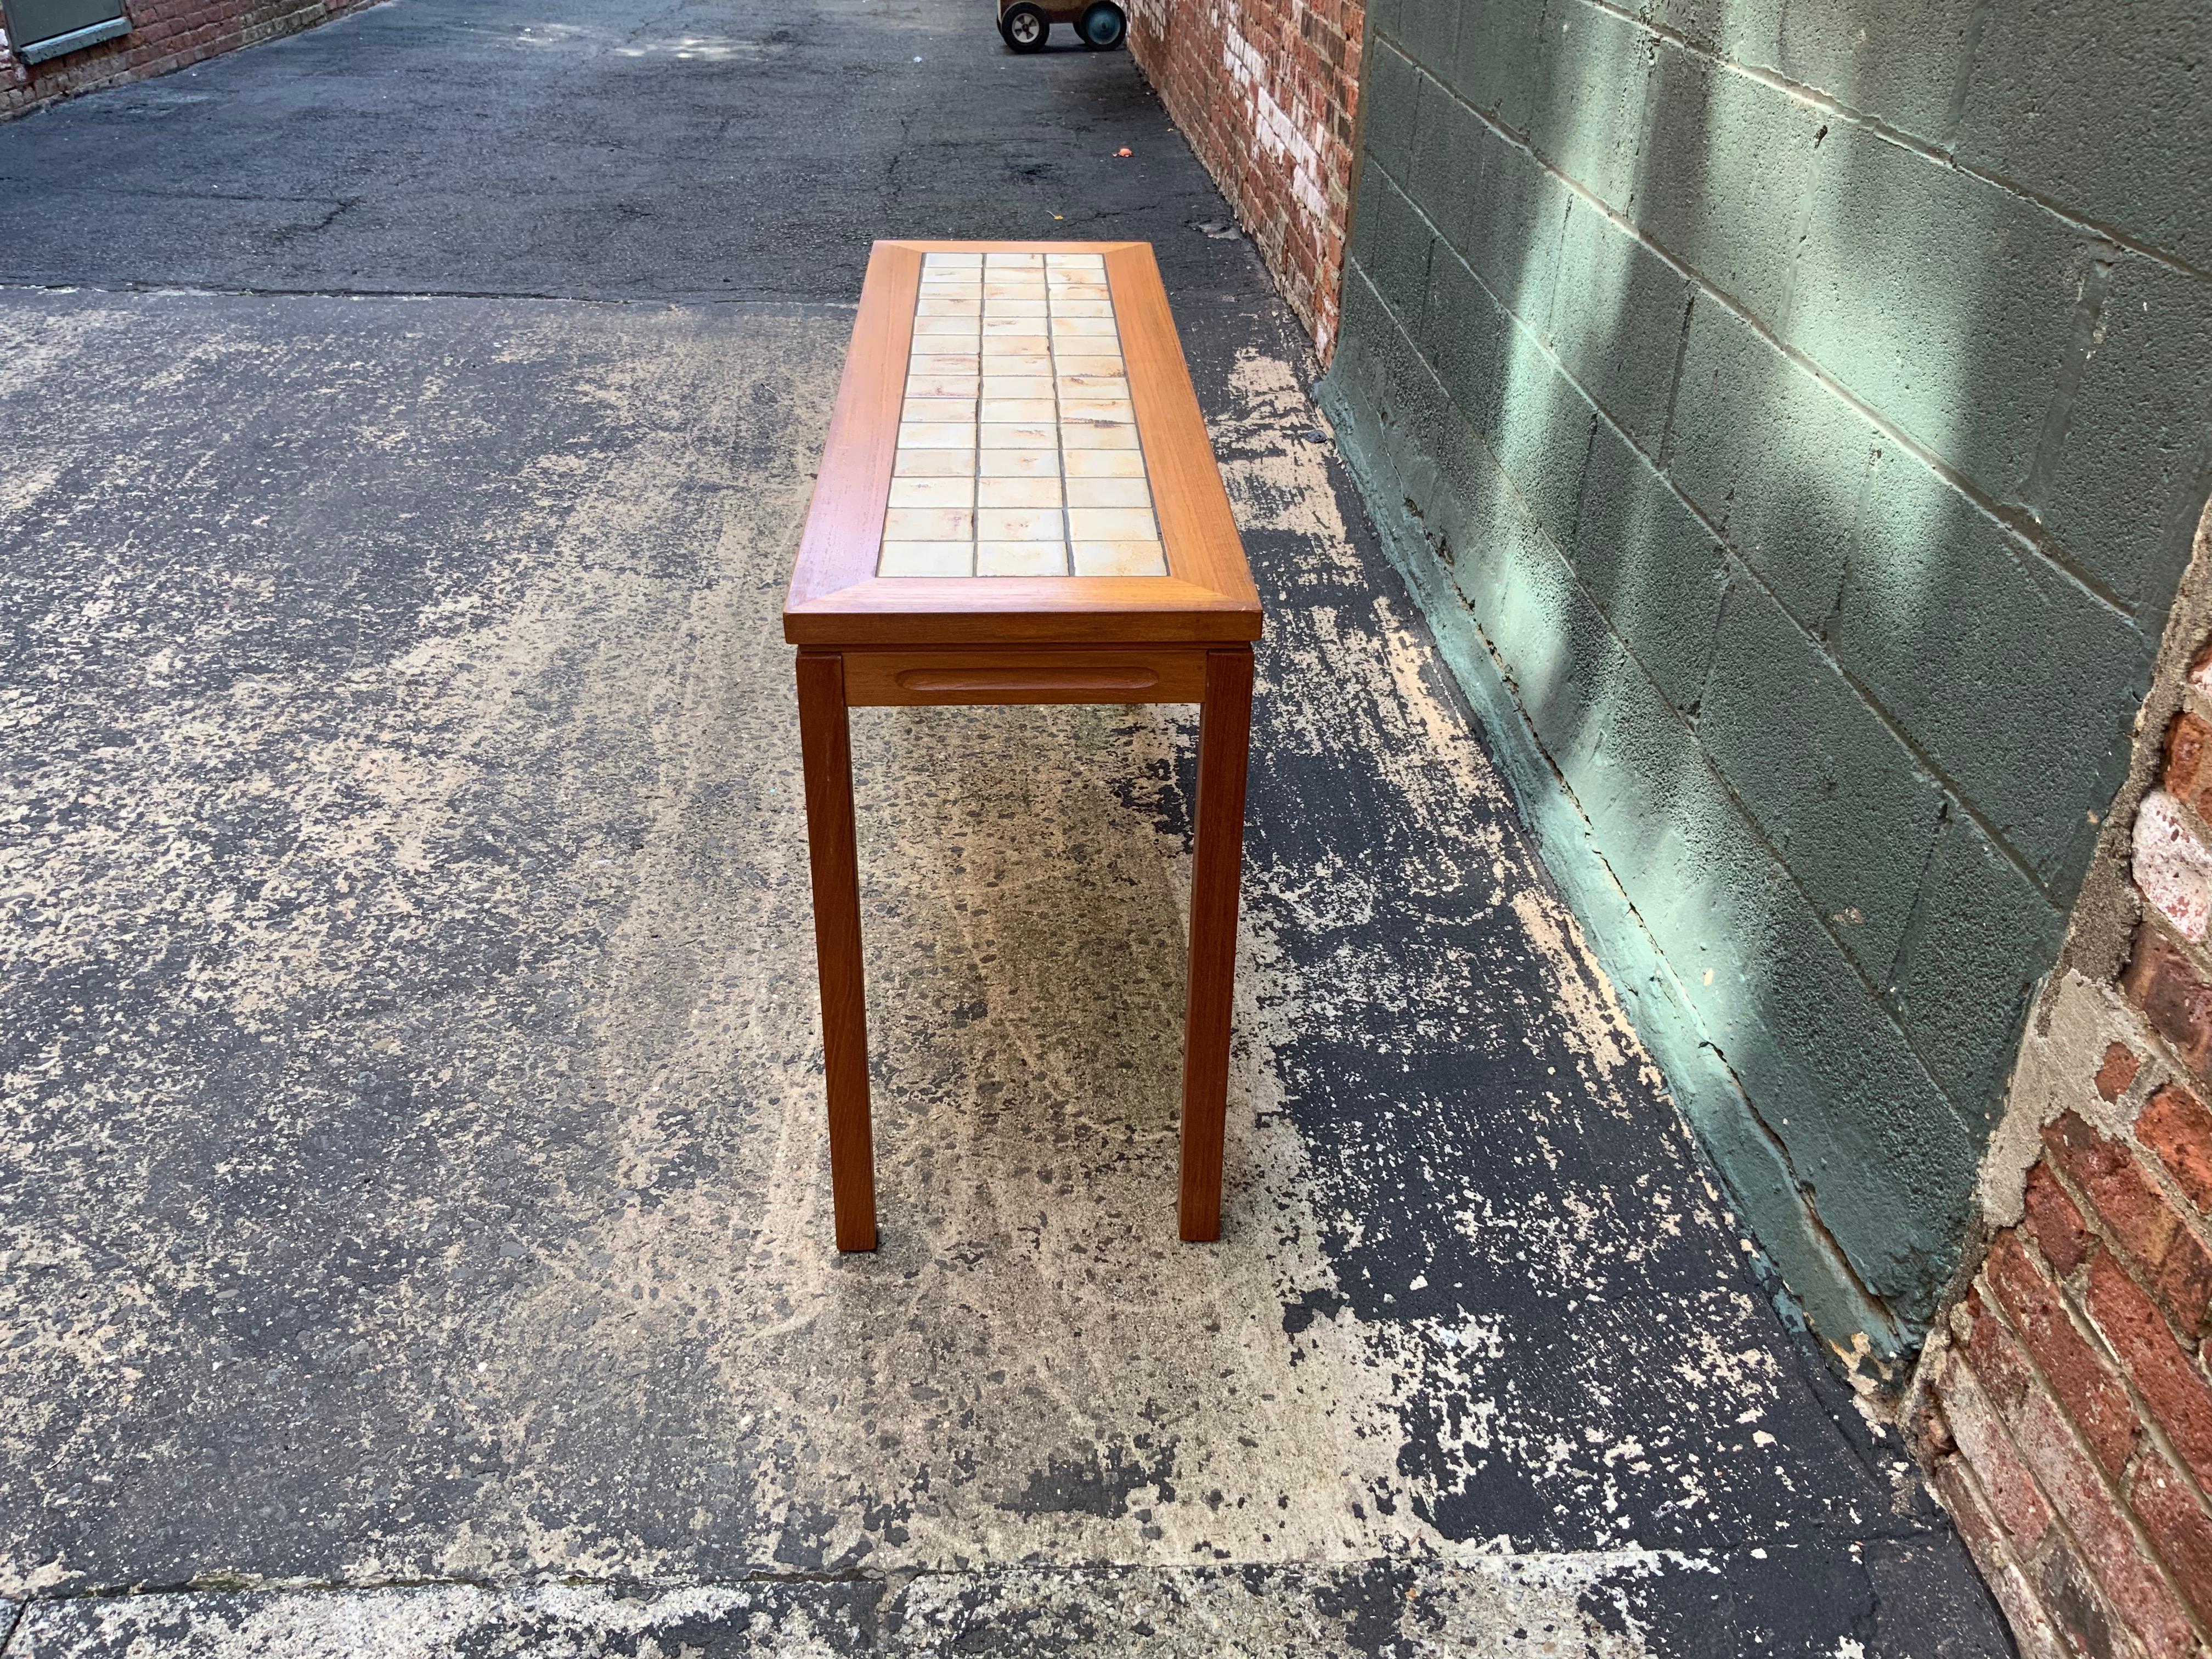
[
  {"x": 1023, "y": 27},
  {"x": 1102, "y": 26}
]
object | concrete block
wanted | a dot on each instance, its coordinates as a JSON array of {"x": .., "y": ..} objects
[
  {"x": 1851, "y": 812},
  {"x": 1594, "y": 71},
  {"x": 1429, "y": 30},
  {"x": 1946, "y": 303},
  {"x": 1543, "y": 435},
  {"x": 1512, "y": 227},
  {"x": 2102, "y": 109},
  {"x": 1495, "y": 67},
  {"x": 1464, "y": 334},
  {"x": 1747, "y": 30},
  {"x": 1557, "y": 646},
  {"x": 1391, "y": 97},
  {"x": 1774, "y": 458},
  {"x": 1981, "y": 936},
  {"x": 2135, "y": 465},
  {"x": 1899, "y": 64},
  {"x": 1886, "y": 1163},
  {"x": 1391, "y": 242},
  {"x": 1617, "y": 313},
  {"x": 1445, "y": 175},
  {"x": 1651, "y": 565},
  {"x": 1728, "y": 167},
  {"x": 2006, "y": 672}
]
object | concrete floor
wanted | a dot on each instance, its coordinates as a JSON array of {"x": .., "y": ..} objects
[{"x": 413, "y": 1213}]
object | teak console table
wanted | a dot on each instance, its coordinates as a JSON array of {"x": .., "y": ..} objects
[{"x": 1019, "y": 504}]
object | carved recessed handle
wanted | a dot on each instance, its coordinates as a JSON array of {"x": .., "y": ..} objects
[{"x": 1028, "y": 680}]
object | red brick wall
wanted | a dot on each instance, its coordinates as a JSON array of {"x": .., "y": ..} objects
[
  {"x": 165, "y": 35},
  {"x": 1267, "y": 91},
  {"x": 2066, "y": 1416}
]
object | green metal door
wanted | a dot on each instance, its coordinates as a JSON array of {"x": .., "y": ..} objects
[{"x": 39, "y": 29}]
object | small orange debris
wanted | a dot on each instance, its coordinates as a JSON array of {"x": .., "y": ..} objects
[{"x": 1125, "y": 150}]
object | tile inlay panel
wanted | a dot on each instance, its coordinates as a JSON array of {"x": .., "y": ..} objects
[{"x": 1017, "y": 449}]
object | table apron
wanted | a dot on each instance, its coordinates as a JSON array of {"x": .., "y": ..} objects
[{"x": 882, "y": 679}]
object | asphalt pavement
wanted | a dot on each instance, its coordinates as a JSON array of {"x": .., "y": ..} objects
[{"x": 414, "y": 1221}]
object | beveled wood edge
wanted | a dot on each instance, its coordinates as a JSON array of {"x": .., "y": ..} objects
[
  {"x": 922, "y": 244},
  {"x": 853, "y": 490},
  {"x": 1197, "y": 526},
  {"x": 836, "y": 598},
  {"x": 1069, "y": 609}
]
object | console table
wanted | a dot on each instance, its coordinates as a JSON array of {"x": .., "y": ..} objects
[{"x": 1019, "y": 504}]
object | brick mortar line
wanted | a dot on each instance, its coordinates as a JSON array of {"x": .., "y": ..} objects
[
  {"x": 2085, "y": 1325},
  {"x": 1952, "y": 788},
  {"x": 2149, "y": 915},
  {"x": 1751, "y": 822},
  {"x": 2022, "y": 527},
  {"x": 1993, "y": 1308},
  {"x": 1970, "y": 1477}
]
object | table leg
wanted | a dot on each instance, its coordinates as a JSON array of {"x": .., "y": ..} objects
[
  {"x": 825, "y": 746},
  {"x": 1225, "y": 742}
]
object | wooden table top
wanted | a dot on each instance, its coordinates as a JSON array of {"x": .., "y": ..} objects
[{"x": 1017, "y": 457}]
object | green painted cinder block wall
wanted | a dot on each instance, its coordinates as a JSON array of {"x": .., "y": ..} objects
[{"x": 1793, "y": 417}]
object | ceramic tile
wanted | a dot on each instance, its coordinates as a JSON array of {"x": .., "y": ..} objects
[
  {"x": 1018, "y": 524},
  {"x": 1115, "y": 411},
  {"x": 1026, "y": 434},
  {"x": 1105, "y": 464},
  {"x": 1036, "y": 492},
  {"x": 931, "y": 523},
  {"x": 937, "y": 435},
  {"x": 952, "y": 492},
  {"x": 1021, "y": 558},
  {"x": 1120, "y": 559},
  {"x": 919, "y": 411},
  {"x": 934, "y": 464},
  {"x": 1014, "y": 378},
  {"x": 1075, "y": 435},
  {"x": 1018, "y": 464},
  {"x": 1111, "y": 523},
  {"x": 927, "y": 559},
  {"x": 1107, "y": 492}
]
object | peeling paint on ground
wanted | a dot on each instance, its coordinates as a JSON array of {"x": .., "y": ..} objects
[{"x": 411, "y": 1166}]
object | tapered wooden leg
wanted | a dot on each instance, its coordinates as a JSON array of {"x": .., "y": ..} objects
[
  {"x": 1224, "y": 742},
  {"x": 825, "y": 746}
]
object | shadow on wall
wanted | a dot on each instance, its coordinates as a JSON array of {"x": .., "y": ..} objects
[{"x": 1793, "y": 418}]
